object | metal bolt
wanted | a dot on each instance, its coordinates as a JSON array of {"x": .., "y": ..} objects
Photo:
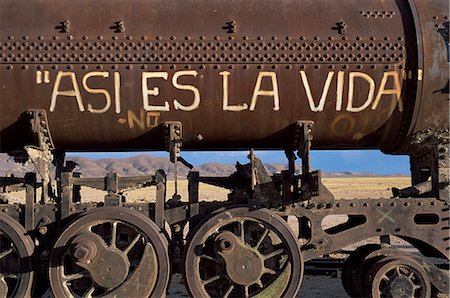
[{"x": 43, "y": 230}]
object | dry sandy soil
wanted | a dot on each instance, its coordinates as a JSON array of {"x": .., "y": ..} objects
[
  {"x": 342, "y": 188},
  {"x": 345, "y": 188}
]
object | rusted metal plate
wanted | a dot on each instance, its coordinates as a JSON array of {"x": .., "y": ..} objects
[{"x": 238, "y": 73}]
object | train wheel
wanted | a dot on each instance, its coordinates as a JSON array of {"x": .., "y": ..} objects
[
  {"x": 16, "y": 249},
  {"x": 355, "y": 270},
  {"x": 243, "y": 253},
  {"x": 398, "y": 277},
  {"x": 110, "y": 251}
]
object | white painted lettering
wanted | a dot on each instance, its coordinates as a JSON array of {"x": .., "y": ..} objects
[
  {"x": 340, "y": 90},
  {"x": 383, "y": 91},
  {"x": 105, "y": 93},
  {"x": 273, "y": 93},
  {"x": 152, "y": 92},
  {"x": 225, "y": 105},
  {"x": 117, "y": 92},
  {"x": 321, "y": 105},
  {"x": 351, "y": 91},
  {"x": 179, "y": 86},
  {"x": 74, "y": 92}
]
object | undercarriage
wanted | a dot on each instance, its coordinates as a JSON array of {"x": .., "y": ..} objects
[{"x": 240, "y": 247}]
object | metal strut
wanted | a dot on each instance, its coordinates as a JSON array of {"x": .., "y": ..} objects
[
  {"x": 174, "y": 140},
  {"x": 41, "y": 153},
  {"x": 311, "y": 184}
]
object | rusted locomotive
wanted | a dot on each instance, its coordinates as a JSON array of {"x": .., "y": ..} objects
[{"x": 210, "y": 75}]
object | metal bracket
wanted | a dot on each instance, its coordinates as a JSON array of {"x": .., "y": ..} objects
[
  {"x": 311, "y": 184},
  {"x": 118, "y": 27},
  {"x": 41, "y": 153},
  {"x": 430, "y": 166}
]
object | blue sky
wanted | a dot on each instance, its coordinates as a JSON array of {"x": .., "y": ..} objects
[{"x": 372, "y": 161}]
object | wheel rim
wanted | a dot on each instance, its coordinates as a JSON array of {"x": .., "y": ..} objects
[
  {"x": 355, "y": 270},
  {"x": 398, "y": 278},
  {"x": 244, "y": 253},
  {"x": 16, "y": 249},
  {"x": 110, "y": 251}
]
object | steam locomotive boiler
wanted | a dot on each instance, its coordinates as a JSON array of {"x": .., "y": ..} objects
[{"x": 221, "y": 75}]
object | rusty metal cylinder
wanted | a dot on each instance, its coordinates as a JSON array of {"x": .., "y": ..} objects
[{"x": 239, "y": 73}]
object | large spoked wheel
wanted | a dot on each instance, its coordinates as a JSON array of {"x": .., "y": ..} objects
[
  {"x": 398, "y": 277},
  {"x": 355, "y": 268},
  {"x": 110, "y": 251},
  {"x": 243, "y": 253},
  {"x": 16, "y": 249}
]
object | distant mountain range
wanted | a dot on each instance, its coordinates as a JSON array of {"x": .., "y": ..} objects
[{"x": 147, "y": 165}]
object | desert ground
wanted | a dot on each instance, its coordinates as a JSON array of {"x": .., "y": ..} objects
[{"x": 342, "y": 188}]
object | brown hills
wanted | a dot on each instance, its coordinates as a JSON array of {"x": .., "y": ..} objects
[{"x": 145, "y": 165}]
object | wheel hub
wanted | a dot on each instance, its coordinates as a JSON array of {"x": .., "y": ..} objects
[
  {"x": 85, "y": 250},
  {"x": 244, "y": 265},
  {"x": 107, "y": 266},
  {"x": 401, "y": 286}
]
